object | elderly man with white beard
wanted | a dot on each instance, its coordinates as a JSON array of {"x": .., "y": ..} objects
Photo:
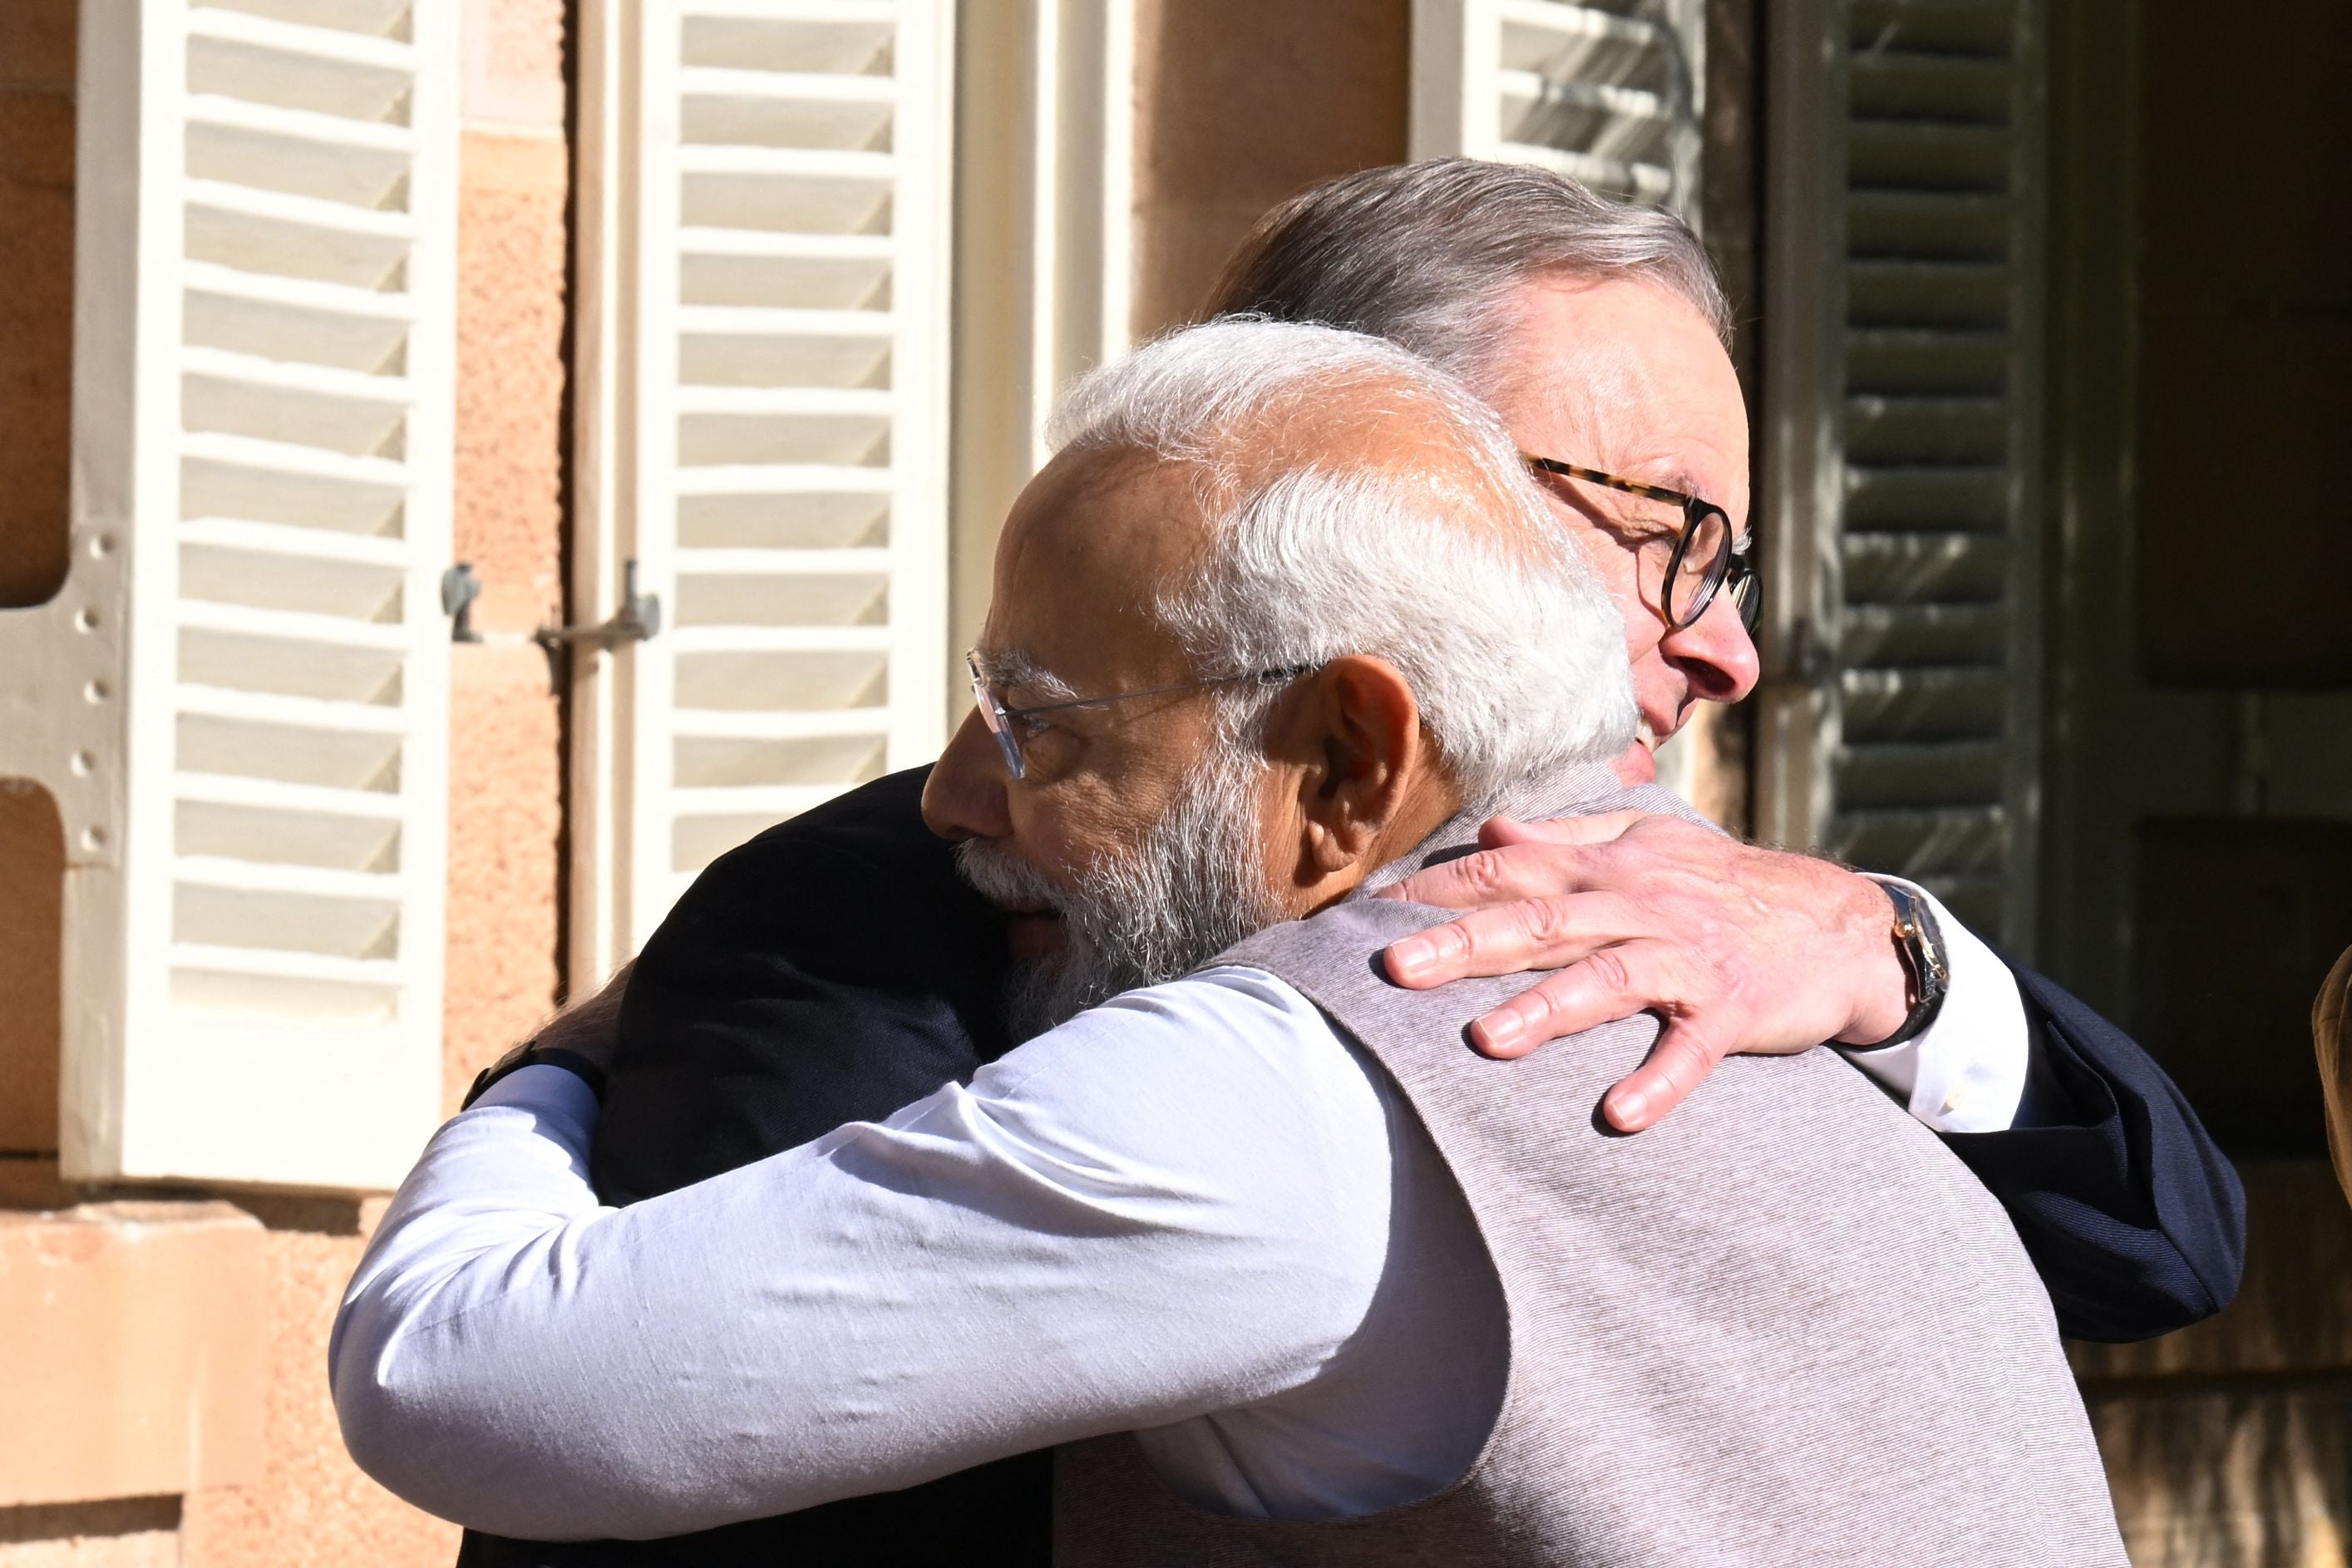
[{"x": 1264, "y": 1212}]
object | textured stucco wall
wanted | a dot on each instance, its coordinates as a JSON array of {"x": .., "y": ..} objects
[
  {"x": 506, "y": 753},
  {"x": 1238, "y": 103},
  {"x": 311, "y": 1505}
]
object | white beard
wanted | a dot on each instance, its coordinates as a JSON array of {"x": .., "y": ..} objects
[{"x": 1191, "y": 888}]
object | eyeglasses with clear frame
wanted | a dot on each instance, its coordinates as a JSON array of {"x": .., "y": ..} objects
[
  {"x": 1001, "y": 721},
  {"x": 1707, "y": 556}
]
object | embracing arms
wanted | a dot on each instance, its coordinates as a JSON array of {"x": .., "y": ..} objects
[
  {"x": 1175, "y": 1205},
  {"x": 2132, "y": 1215}
]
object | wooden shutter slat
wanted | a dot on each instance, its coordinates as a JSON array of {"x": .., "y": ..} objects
[{"x": 254, "y": 775}]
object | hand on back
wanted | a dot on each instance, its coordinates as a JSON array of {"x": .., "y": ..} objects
[{"x": 1738, "y": 949}]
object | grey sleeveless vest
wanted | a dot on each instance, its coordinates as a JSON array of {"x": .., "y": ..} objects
[{"x": 1785, "y": 1326}]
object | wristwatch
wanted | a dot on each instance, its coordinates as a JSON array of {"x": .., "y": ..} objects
[
  {"x": 1921, "y": 947},
  {"x": 530, "y": 1053}
]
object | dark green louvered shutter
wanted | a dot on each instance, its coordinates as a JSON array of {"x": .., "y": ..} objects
[{"x": 1902, "y": 336}]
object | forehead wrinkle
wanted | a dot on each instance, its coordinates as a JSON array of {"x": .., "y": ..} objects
[
  {"x": 1624, "y": 420},
  {"x": 1598, "y": 394}
]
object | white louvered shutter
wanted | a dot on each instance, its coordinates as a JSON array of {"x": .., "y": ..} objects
[
  {"x": 785, "y": 417},
  {"x": 1607, "y": 93},
  {"x": 240, "y": 697},
  {"x": 1901, "y": 729}
]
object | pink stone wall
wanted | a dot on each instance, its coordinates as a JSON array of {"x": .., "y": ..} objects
[
  {"x": 311, "y": 1505},
  {"x": 1238, "y": 104},
  {"x": 506, "y": 752}
]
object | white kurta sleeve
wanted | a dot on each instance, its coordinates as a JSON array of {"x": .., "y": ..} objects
[{"x": 1175, "y": 1203}]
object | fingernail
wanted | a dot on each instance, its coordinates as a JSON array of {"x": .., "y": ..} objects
[
  {"x": 1628, "y": 1106},
  {"x": 1410, "y": 956},
  {"x": 1502, "y": 1028}
]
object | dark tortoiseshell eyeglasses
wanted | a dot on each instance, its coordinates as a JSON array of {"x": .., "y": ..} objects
[{"x": 1707, "y": 556}]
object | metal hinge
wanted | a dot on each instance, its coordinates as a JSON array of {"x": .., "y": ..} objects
[{"x": 638, "y": 617}]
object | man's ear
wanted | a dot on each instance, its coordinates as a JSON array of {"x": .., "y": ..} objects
[{"x": 1354, "y": 732}]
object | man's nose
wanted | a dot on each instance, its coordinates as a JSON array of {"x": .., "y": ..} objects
[
  {"x": 964, "y": 796},
  {"x": 1715, "y": 653}
]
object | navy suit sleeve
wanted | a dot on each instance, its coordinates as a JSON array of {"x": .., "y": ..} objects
[
  {"x": 832, "y": 970},
  {"x": 2133, "y": 1217}
]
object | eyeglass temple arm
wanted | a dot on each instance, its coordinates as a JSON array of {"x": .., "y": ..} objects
[
  {"x": 1264, "y": 675},
  {"x": 1610, "y": 481}
]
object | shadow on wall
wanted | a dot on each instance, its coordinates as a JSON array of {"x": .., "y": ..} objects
[
  {"x": 126, "y": 1529},
  {"x": 1238, "y": 104},
  {"x": 32, "y": 886},
  {"x": 37, "y": 252},
  {"x": 2227, "y": 1443},
  {"x": 2254, "y": 1479}
]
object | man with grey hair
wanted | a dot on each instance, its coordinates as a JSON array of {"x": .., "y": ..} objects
[
  {"x": 835, "y": 968},
  {"x": 1300, "y": 1278},
  {"x": 1598, "y": 332}
]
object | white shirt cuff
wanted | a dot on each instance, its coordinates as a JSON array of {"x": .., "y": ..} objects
[{"x": 1966, "y": 1071}]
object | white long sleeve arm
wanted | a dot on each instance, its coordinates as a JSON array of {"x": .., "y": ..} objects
[{"x": 1175, "y": 1205}]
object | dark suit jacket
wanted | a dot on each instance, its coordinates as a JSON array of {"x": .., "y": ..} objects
[
  {"x": 835, "y": 969},
  {"x": 832, "y": 970},
  {"x": 2132, "y": 1214}
]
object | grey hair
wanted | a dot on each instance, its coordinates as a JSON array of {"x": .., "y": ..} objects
[
  {"x": 1513, "y": 649},
  {"x": 1429, "y": 254}
]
